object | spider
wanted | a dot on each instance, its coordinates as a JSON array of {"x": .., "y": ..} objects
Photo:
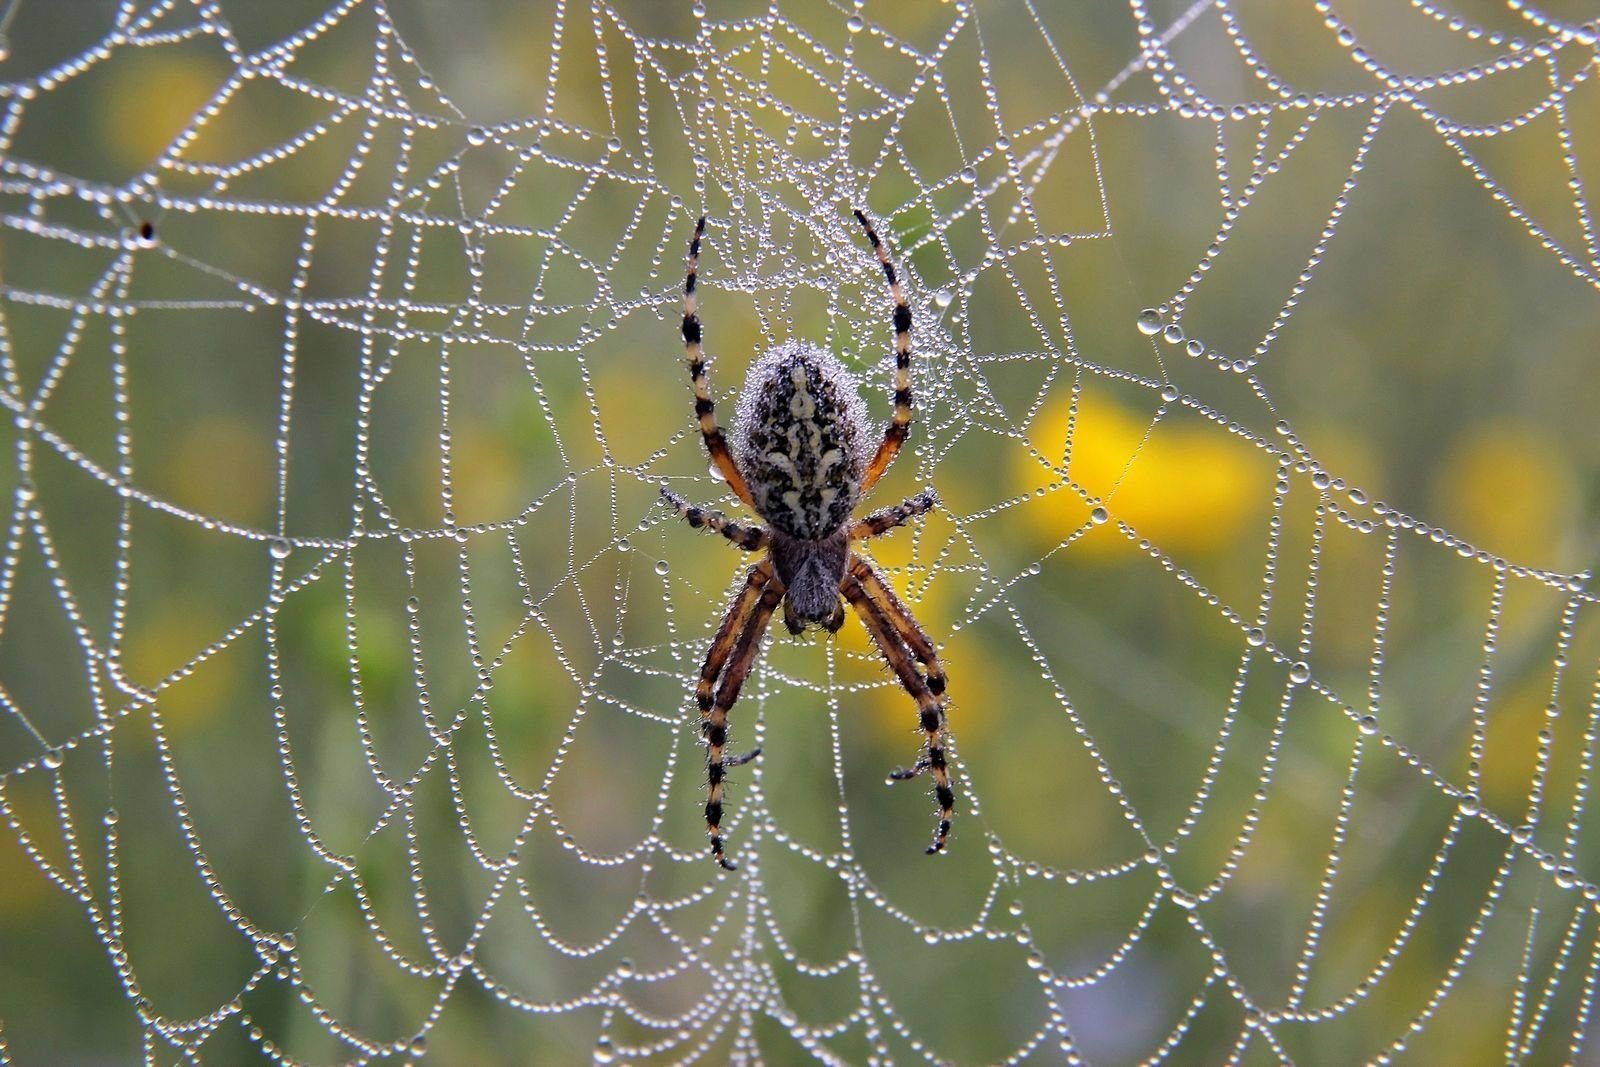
[{"x": 801, "y": 460}]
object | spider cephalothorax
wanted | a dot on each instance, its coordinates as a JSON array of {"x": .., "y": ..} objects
[{"x": 802, "y": 461}]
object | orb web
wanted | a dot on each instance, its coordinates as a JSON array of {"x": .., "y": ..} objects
[{"x": 347, "y": 648}]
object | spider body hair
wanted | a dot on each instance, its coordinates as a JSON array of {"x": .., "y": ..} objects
[{"x": 801, "y": 438}]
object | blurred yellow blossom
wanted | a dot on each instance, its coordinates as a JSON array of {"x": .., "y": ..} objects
[
  {"x": 1189, "y": 488},
  {"x": 154, "y": 97},
  {"x": 483, "y": 474},
  {"x": 159, "y": 645},
  {"x": 223, "y": 467},
  {"x": 1506, "y": 487}
]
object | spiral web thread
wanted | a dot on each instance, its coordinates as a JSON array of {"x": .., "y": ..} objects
[{"x": 775, "y": 121}]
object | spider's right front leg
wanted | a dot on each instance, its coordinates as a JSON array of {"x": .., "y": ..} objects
[
  {"x": 731, "y": 656},
  {"x": 899, "y": 427}
]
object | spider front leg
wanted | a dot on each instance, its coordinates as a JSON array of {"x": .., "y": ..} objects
[
  {"x": 705, "y": 408},
  {"x": 749, "y": 538},
  {"x": 900, "y": 422},
  {"x": 732, "y": 654},
  {"x": 899, "y": 638}
]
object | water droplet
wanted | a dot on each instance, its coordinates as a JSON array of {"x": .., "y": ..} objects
[
  {"x": 1185, "y": 899},
  {"x": 1300, "y": 673},
  {"x": 1149, "y": 322},
  {"x": 624, "y": 545},
  {"x": 662, "y": 567},
  {"x": 942, "y": 298},
  {"x": 1470, "y": 805},
  {"x": 1169, "y": 394},
  {"x": 1255, "y": 637},
  {"x": 1368, "y": 724},
  {"x": 1195, "y": 347},
  {"x": 1099, "y": 515},
  {"x": 279, "y": 548},
  {"x": 855, "y": 24},
  {"x": 1172, "y": 333},
  {"x": 477, "y": 136},
  {"x": 969, "y": 175},
  {"x": 52, "y": 758}
]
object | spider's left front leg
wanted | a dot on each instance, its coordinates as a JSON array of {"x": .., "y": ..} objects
[
  {"x": 749, "y": 538},
  {"x": 901, "y": 640}
]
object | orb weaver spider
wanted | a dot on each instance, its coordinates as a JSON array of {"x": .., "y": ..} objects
[{"x": 800, "y": 460}]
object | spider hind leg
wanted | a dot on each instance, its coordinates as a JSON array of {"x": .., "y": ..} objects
[
  {"x": 728, "y": 663},
  {"x": 900, "y": 639}
]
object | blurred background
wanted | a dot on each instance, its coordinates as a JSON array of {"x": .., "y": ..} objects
[{"x": 347, "y": 650}]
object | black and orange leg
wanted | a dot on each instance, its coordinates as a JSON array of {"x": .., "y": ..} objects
[
  {"x": 900, "y": 421},
  {"x": 905, "y": 624},
  {"x": 705, "y": 408},
  {"x": 728, "y": 633},
  {"x": 750, "y": 538},
  {"x": 881, "y": 522},
  {"x": 930, "y": 708},
  {"x": 732, "y": 658}
]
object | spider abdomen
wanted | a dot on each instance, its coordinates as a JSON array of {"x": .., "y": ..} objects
[{"x": 801, "y": 439}]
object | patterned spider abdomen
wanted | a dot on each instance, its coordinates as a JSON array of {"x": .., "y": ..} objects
[{"x": 801, "y": 439}]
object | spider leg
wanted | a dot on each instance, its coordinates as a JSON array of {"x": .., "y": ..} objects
[
  {"x": 882, "y": 521},
  {"x": 904, "y": 622},
  {"x": 727, "y": 634},
  {"x": 749, "y": 538},
  {"x": 900, "y": 423},
  {"x": 704, "y": 406},
  {"x": 891, "y": 641},
  {"x": 733, "y": 653}
]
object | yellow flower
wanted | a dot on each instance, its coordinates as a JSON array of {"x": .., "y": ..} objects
[
  {"x": 484, "y": 474},
  {"x": 225, "y": 468},
  {"x": 153, "y": 97},
  {"x": 1506, "y": 487},
  {"x": 160, "y": 643},
  {"x": 1190, "y": 487}
]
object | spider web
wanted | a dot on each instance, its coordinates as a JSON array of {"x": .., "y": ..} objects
[{"x": 347, "y": 649}]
